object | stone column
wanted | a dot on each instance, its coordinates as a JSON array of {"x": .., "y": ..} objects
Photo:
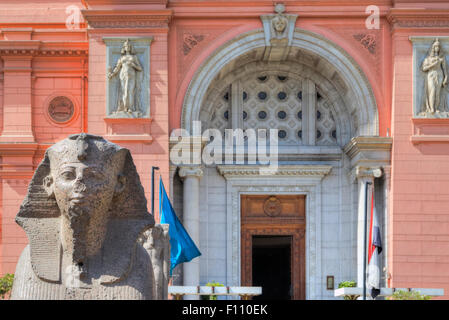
[
  {"x": 191, "y": 221},
  {"x": 363, "y": 175}
]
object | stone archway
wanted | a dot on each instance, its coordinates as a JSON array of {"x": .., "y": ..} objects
[
  {"x": 338, "y": 65},
  {"x": 321, "y": 66}
]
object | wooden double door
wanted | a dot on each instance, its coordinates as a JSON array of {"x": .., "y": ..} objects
[{"x": 273, "y": 245}]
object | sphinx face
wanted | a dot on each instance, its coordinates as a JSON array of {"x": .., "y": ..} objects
[
  {"x": 84, "y": 193},
  {"x": 80, "y": 188}
]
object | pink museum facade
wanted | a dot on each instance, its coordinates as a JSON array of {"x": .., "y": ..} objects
[{"x": 359, "y": 108}]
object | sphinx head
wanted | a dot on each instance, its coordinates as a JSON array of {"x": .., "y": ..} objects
[
  {"x": 85, "y": 198},
  {"x": 86, "y": 175}
]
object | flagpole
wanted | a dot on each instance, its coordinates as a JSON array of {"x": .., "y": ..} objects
[
  {"x": 364, "y": 237},
  {"x": 152, "y": 188}
]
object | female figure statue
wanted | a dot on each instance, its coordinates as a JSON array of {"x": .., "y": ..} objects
[
  {"x": 130, "y": 77},
  {"x": 435, "y": 67}
]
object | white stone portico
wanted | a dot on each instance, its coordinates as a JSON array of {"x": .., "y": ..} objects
[
  {"x": 289, "y": 179},
  {"x": 315, "y": 93}
]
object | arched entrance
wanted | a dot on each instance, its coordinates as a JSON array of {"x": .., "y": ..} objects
[{"x": 318, "y": 99}]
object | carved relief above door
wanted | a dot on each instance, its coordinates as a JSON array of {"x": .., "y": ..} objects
[{"x": 274, "y": 215}]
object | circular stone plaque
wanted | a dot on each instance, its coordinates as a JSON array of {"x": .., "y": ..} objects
[{"x": 61, "y": 109}]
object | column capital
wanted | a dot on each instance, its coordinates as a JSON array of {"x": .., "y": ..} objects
[
  {"x": 366, "y": 172},
  {"x": 190, "y": 171}
]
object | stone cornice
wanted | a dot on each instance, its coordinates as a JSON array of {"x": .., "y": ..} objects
[
  {"x": 418, "y": 18},
  {"x": 125, "y": 2},
  {"x": 242, "y": 171},
  {"x": 366, "y": 143},
  {"x": 127, "y": 18},
  {"x": 43, "y": 48}
]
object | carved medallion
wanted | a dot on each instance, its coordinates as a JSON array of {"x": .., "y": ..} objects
[
  {"x": 190, "y": 41},
  {"x": 367, "y": 40},
  {"x": 61, "y": 109},
  {"x": 272, "y": 207}
]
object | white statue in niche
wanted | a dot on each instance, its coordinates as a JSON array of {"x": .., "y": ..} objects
[
  {"x": 436, "y": 81},
  {"x": 130, "y": 73}
]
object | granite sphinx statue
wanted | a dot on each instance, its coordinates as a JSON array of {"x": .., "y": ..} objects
[{"x": 83, "y": 214}]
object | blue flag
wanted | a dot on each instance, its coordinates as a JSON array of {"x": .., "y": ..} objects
[{"x": 183, "y": 249}]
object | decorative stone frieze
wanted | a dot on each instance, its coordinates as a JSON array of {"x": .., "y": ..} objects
[
  {"x": 101, "y": 19},
  {"x": 241, "y": 171},
  {"x": 401, "y": 18},
  {"x": 42, "y": 48}
]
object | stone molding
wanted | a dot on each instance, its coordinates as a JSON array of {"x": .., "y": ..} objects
[
  {"x": 43, "y": 48},
  {"x": 125, "y": 2},
  {"x": 364, "y": 143},
  {"x": 127, "y": 18},
  {"x": 242, "y": 171},
  {"x": 418, "y": 18},
  {"x": 368, "y": 155},
  {"x": 190, "y": 171}
]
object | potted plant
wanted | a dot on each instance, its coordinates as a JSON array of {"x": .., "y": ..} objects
[
  {"x": 6, "y": 285},
  {"x": 349, "y": 284},
  {"x": 212, "y": 296},
  {"x": 408, "y": 295}
]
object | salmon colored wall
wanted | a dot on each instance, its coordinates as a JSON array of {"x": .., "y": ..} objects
[
  {"x": 419, "y": 220},
  {"x": 419, "y": 251}
]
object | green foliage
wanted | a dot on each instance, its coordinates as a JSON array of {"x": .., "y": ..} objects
[
  {"x": 6, "y": 284},
  {"x": 212, "y": 296},
  {"x": 408, "y": 295},
  {"x": 348, "y": 284}
]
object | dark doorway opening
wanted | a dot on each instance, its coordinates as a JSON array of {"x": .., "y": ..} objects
[{"x": 271, "y": 264}]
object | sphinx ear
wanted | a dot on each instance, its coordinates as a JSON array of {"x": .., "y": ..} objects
[
  {"x": 48, "y": 186},
  {"x": 121, "y": 184}
]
